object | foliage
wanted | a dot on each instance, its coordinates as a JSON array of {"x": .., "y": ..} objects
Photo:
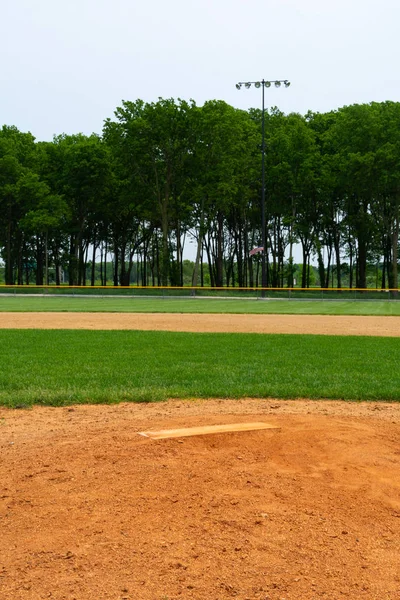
[{"x": 119, "y": 207}]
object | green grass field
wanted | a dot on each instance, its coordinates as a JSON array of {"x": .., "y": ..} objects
[
  {"x": 193, "y": 305},
  {"x": 67, "y": 367}
]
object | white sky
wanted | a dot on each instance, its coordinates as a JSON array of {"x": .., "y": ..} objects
[{"x": 67, "y": 64}]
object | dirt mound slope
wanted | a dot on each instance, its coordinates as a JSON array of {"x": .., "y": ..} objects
[{"x": 91, "y": 510}]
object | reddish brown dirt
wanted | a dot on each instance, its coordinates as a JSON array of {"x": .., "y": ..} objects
[
  {"x": 318, "y": 324},
  {"x": 90, "y": 510}
]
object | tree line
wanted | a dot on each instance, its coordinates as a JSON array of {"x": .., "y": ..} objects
[{"x": 165, "y": 171}]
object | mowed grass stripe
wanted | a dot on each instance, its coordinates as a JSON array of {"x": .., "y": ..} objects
[
  {"x": 67, "y": 367},
  {"x": 206, "y": 305}
]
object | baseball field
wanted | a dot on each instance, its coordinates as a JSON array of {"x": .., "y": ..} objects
[{"x": 307, "y": 508}]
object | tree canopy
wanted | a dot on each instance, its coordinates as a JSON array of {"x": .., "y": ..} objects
[{"x": 165, "y": 171}]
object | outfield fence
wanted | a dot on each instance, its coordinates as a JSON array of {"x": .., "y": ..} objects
[{"x": 251, "y": 293}]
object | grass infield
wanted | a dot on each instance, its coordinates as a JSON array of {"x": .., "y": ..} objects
[
  {"x": 193, "y": 305},
  {"x": 68, "y": 367}
]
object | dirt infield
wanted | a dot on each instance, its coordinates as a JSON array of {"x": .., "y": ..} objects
[
  {"x": 91, "y": 510},
  {"x": 317, "y": 324}
]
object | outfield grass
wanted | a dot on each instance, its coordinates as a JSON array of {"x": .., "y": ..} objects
[
  {"x": 68, "y": 367},
  {"x": 193, "y": 305}
]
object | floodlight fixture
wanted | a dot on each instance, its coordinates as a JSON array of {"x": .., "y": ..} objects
[
  {"x": 257, "y": 84},
  {"x": 267, "y": 84},
  {"x": 287, "y": 83},
  {"x": 238, "y": 86},
  {"x": 277, "y": 84},
  {"x": 247, "y": 85}
]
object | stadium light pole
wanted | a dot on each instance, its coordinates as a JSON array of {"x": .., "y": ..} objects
[{"x": 263, "y": 84}]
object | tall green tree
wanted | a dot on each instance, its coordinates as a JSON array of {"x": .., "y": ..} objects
[
  {"x": 154, "y": 148},
  {"x": 78, "y": 168},
  {"x": 18, "y": 185}
]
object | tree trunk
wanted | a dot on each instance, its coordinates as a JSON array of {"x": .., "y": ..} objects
[
  {"x": 105, "y": 264},
  {"x": 165, "y": 245},
  {"x": 321, "y": 266},
  {"x": 362, "y": 264},
  {"x": 39, "y": 261},
  {"x": 199, "y": 245},
  {"x": 72, "y": 263},
  {"x": 383, "y": 283},
  {"x": 395, "y": 245},
  {"x": 350, "y": 264},
  {"x": 123, "y": 274},
  {"x": 210, "y": 269},
  {"x": 20, "y": 262},
  {"x": 9, "y": 270},
  {"x": 338, "y": 263},
  {"x": 84, "y": 262},
  {"x": 219, "y": 258},
  {"x": 92, "y": 278},
  {"x": 144, "y": 282},
  {"x": 116, "y": 265},
  {"x": 328, "y": 267},
  {"x": 201, "y": 269}
]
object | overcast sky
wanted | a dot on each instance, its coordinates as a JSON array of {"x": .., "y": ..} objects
[{"x": 67, "y": 64}]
